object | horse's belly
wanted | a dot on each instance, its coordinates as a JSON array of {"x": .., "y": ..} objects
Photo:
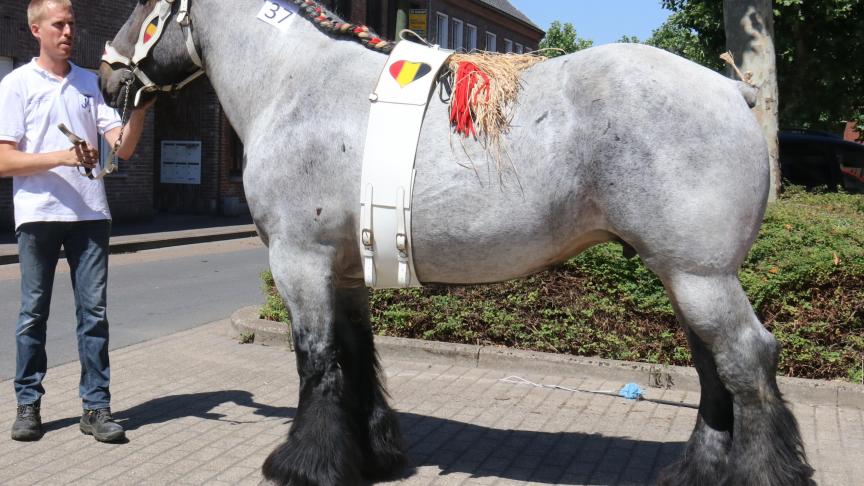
[{"x": 489, "y": 237}]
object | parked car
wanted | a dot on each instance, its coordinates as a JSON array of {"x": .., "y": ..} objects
[{"x": 812, "y": 159}]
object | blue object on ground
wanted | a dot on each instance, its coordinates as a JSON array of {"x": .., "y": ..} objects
[{"x": 631, "y": 391}]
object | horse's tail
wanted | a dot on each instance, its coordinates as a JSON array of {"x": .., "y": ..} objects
[
  {"x": 746, "y": 87},
  {"x": 748, "y": 91}
]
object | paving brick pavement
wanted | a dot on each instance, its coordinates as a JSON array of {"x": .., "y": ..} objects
[{"x": 201, "y": 408}]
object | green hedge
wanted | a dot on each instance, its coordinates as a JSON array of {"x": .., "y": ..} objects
[{"x": 804, "y": 276}]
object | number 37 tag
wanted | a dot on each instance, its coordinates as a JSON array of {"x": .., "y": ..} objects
[{"x": 278, "y": 13}]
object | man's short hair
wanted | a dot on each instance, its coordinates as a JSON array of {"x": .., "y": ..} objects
[{"x": 36, "y": 9}]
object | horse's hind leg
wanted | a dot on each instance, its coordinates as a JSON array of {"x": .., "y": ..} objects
[
  {"x": 765, "y": 446},
  {"x": 706, "y": 454},
  {"x": 375, "y": 421}
]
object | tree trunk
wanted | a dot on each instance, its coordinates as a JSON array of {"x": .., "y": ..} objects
[{"x": 750, "y": 37}]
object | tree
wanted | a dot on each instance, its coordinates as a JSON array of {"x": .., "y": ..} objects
[
  {"x": 563, "y": 38},
  {"x": 679, "y": 35},
  {"x": 749, "y": 26},
  {"x": 819, "y": 63}
]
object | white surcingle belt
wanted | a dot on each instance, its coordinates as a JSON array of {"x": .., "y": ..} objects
[{"x": 396, "y": 116}]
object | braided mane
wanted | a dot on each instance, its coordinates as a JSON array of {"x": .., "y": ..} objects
[
  {"x": 330, "y": 23},
  {"x": 485, "y": 84}
]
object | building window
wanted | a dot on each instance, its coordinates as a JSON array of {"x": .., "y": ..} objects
[
  {"x": 491, "y": 42},
  {"x": 442, "y": 30},
  {"x": 520, "y": 49},
  {"x": 458, "y": 35},
  {"x": 6, "y": 66},
  {"x": 104, "y": 154},
  {"x": 237, "y": 154},
  {"x": 341, "y": 8},
  {"x": 103, "y": 147},
  {"x": 472, "y": 38},
  {"x": 508, "y": 46}
]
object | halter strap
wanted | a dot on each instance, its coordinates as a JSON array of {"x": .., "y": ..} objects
[{"x": 151, "y": 31}]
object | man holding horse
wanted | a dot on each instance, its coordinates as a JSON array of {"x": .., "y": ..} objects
[{"x": 56, "y": 207}]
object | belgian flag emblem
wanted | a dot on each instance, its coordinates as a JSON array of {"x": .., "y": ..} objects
[
  {"x": 406, "y": 72},
  {"x": 151, "y": 30}
]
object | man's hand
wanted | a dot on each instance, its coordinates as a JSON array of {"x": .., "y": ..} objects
[
  {"x": 85, "y": 155},
  {"x": 82, "y": 155}
]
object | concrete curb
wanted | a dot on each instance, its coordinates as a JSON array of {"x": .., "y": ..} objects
[
  {"x": 798, "y": 390},
  {"x": 149, "y": 241},
  {"x": 267, "y": 333}
]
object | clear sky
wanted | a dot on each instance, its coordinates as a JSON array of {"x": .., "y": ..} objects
[{"x": 602, "y": 21}]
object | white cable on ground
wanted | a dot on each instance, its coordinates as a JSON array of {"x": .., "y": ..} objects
[
  {"x": 630, "y": 391},
  {"x": 518, "y": 380}
]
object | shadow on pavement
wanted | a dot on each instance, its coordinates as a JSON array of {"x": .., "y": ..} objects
[
  {"x": 165, "y": 409},
  {"x": 538, "y": 457},
  {"x": 453, "y": 446}
]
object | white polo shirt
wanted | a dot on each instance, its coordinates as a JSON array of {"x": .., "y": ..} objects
[{"x": 32, "y": 103}]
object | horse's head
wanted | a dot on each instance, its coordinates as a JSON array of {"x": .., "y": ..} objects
[{"x": 153, "y": 52}]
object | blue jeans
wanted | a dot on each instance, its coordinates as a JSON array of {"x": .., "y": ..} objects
[{"x": 86, "y": 247}]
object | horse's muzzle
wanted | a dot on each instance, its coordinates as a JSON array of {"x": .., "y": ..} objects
[{"x": 114, "y": 82}]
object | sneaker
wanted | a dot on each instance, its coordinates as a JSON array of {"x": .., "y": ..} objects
[
  {"x": 101, "y": 425},
  {"x": 28, "y": 423}
]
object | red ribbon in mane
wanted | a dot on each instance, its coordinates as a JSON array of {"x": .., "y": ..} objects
[{"x": 468, "y": 75}]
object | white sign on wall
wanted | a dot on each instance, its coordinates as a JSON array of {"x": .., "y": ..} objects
[{"x": 181, "y": 162}]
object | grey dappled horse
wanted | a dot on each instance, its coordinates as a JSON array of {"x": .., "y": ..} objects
[{"x": 620, "y": 142}]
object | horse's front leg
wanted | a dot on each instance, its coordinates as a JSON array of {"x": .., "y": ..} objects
[
  {"x": 344, "y": 427},
  {"x": 372, "y": 418},
  {"x": 323, "y": 448}
]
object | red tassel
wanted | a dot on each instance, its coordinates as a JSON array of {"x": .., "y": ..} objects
[{"x": 461, "y": 112}]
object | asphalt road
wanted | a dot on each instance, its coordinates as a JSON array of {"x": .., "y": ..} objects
[{"x": 150, "y": 294}]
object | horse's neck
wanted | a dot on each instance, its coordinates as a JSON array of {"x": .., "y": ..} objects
[{"x": 255, "y": 69}]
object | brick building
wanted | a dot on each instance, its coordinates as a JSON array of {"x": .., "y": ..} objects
[
  {"x": 489, "y": 25},
  {"x": 193, "y": 123}
]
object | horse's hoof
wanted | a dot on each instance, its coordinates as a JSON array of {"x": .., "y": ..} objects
[
  {"x": 312, "y": 464},
  {"x": 385, "y": 466},
  {"x": 681, "y": 474},
  {"x": 385, "y": 456}
]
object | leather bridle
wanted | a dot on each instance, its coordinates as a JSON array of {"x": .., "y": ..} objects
[{"x": 151, "y": 31}]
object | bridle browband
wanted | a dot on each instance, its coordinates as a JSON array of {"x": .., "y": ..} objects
[{"x": 149, "y": 35}]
